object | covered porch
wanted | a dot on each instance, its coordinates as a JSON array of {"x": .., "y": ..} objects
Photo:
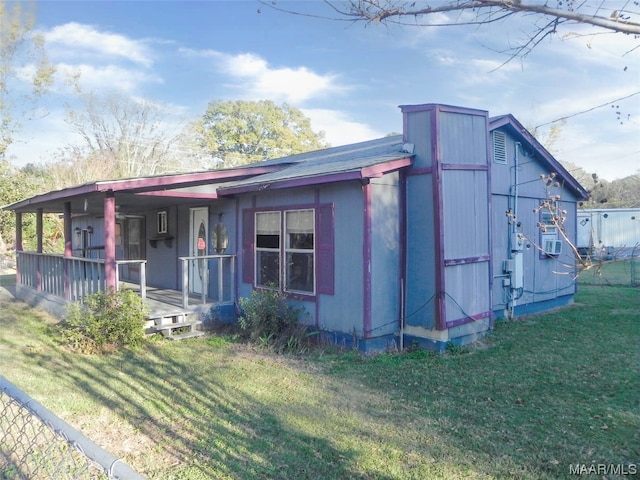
[{"x": 155, "y": 235}]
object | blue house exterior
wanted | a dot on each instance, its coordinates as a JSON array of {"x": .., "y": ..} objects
[{"x": 421, "y": 239}]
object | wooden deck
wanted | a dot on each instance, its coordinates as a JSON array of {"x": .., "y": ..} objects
[{"x": 164, "y": 300}]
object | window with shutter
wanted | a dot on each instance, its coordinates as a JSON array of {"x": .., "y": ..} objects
[{"x": 291, "y": 249}]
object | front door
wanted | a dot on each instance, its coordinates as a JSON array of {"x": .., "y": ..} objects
[{"x": 198, "y": 241}]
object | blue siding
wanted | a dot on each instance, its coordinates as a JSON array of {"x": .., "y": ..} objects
[
  {"x": 385, "y": 255},
  {"x": 466, "y": 215},
  {"x": 545, "y": 278},
  {"x": 421, "y": 263},
  {"x": 463, "y": 138},
  {"x": 344, "y": 311}
]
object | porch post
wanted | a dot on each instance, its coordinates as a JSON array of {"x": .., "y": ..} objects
[
  {"x": 68, "y": 248},
  {"x": 110, "y": 240},
  {"x": 19, "y": 247},
  {"x": 39, "y": 235}
]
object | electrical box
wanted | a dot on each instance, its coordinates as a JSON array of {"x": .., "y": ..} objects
[
  {"x": 517, "y": 275},
  {"x": 517, "y": 242},
  {"x": 507, "y": 266}
]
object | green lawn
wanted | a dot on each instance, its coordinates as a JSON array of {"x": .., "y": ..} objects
[
  {"x": 536, "y": 396},
  {"x": 618, "y": 272}
]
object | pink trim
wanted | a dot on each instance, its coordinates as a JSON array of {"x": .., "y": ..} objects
[
  {"x": 39, "y": 229},
  {"x": 366, "y": 260},
  {"x": 376, "y": 171},
  {"x": 110, "y": 240},
  {"x": 68, "y": 248},
  {"x": 472, "y": 318},
  {"x": 19, "y": 246},
  {"x": 420, "y": 171},
  {"x": 174, "y": 194},
  {"x": 139, "y": 185},
  {"x": 39, "y": 234},
  {"x": 439, "y": 222},
  {"x": 441, "y": 108}
]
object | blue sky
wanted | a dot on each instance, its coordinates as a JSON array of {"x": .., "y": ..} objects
[{"x": 348, "y": 78}]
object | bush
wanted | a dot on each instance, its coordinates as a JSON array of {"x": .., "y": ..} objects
[
  {"x": 268, "y": 320},
  {"x": 106, "y": 321}
]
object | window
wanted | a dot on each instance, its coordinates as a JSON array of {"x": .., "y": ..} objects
[
  {"x": 162, "y": 222},
  {"x": 551, "y": 246},
  {"x": 284, "y": 253},
  {"x": 299, "y": 248},
  {"x": 291, "y": 248},
  {"x": 268, "y": 249}
]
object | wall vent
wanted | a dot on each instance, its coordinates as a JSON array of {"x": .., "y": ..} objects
[{"x": 499, "y": 147}]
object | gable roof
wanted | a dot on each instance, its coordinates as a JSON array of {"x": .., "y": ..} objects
[{"x": 509, "y": 123}]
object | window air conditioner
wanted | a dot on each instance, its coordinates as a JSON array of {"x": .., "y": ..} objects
[{"x": 553, "y": 247}]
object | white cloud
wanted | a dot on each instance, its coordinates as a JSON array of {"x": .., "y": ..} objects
[
  {"x": 339, "y": 128},
  {"x": 255, "y": 79},
  {"x": 106, "y": 77},
  {"x": 79, "y": 40}
]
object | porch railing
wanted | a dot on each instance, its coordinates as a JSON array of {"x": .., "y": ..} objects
[
  {"x": 71, "y": 278},
  {"x": 222, "y": 267}
]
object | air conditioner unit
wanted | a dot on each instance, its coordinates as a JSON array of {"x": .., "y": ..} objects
[{"x": 553, "y": 247}]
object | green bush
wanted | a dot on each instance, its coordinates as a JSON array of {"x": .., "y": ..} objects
[
  {"x": 269, "y": 320},
  {"x": 105, "y": 321}
]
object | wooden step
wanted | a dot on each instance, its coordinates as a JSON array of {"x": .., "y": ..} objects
[
  {"x": 184, "y": 336},
  {"x": 171, "y": 326}
]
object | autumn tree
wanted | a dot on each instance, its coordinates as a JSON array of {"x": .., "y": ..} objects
[
  {"x": 21, "y": 52},
  {"x": 240, "y": 132},
  {"x": 120, "y": 137}
]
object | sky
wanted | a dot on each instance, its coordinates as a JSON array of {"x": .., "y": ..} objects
[{"x": 348, "y": 78}]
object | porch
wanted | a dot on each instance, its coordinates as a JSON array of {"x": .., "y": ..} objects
[{"x": 53, "y": 281}]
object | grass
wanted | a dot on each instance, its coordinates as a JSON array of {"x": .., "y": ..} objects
[
  {"x": 538, "y": 395},
  {"x": 618, "y": 272}
]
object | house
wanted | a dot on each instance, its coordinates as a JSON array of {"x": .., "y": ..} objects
[{"x": 423, "y": 238}]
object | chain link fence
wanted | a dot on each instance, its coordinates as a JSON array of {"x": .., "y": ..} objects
[
  {"x": 614, "y": 271},
  {"x": 37, "y": 445}
]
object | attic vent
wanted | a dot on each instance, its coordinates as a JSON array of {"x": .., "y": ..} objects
[{"x": 499, "y": 147}]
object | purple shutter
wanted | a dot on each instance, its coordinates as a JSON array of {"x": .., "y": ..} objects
[
  {"x": 248, "y": 239},
  {"x": 325, "y": 251}
]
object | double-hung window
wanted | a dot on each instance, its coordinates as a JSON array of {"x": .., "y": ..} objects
[
  {"x": 291, "y": 249},
  {"x": 284, "y": 253}
]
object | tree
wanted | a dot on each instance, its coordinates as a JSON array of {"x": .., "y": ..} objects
[
  {"x": 615, "y": 18},
  {"x": 120, "y": 138},
  {"x": 17, "y": 184},
  {"x": 19, "y": 47},
  {"x": 241, "y": 132}
]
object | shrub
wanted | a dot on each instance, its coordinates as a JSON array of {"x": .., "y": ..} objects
[
  {"x": 268, "y": 320},
  {"x": 106, "y": 321}
]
